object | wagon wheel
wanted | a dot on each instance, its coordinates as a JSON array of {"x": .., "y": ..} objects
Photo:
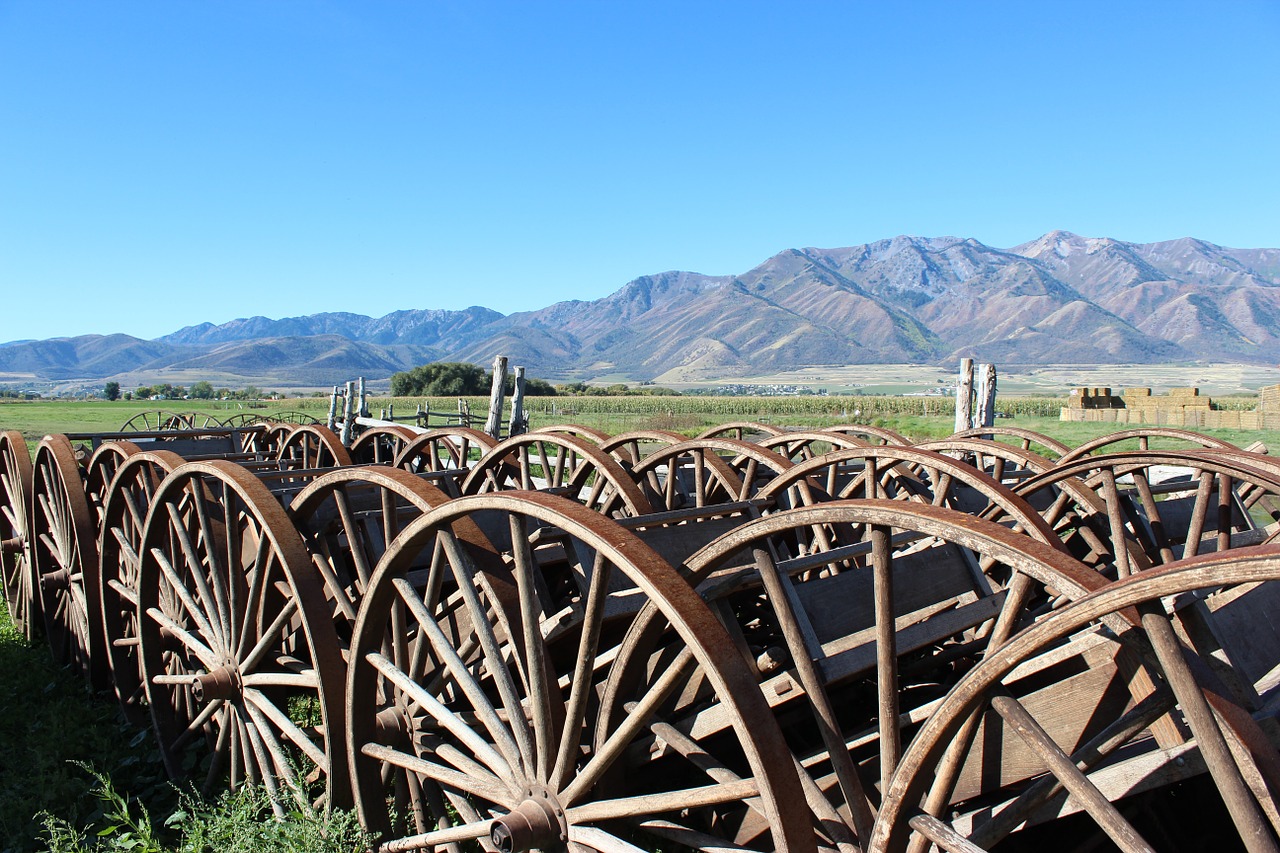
[
  {"x": 347, "y": 518},
  {"x": 312, "y": 446},
  {"x": 595, "y": 436},
  {"x": 1027, "y": 439},
  {"x": 477, "y": 719},
  {"x": 101, "y": 470},
  {"x": 939, "y": 795},
  {"x": 445, "y": 449},
  {"x": 241, "y": 419},
  {"x": 742, "y": 431},
  {"x": 381, "y": 445},
  {"x": 858, "y": 632},
  {"x": 706, "y": 471},
  {"x": 1142, "y": 436},
  {"x": 1154, "y": 521},
  {"x": 16, "y": 483},
  {"x": 561, "y": 463},
  {"x": 65, "y": 554},
  {"x": 905, "y": 473},
  {"x": 873, "y": 434},
  {"x": 241, "y": 664},
  {"x": 203, "y": 420},
  {"x": 296, "y": 418},
  {"x": 273, "y": 437},
  {"x": 124, "y": 515},
  {"x": 630, "y": 447},
  {"x": 802, "y": 446},
  {"x": 156, "y": 420},
  {"x": 1003, "y": 462}
]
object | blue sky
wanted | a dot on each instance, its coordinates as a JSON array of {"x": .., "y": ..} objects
[{"x": 163, "y": 164}]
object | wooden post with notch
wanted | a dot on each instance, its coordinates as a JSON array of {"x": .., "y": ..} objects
[
  {"x": 493, "y": 425},
  {"x": 516, "y": 425},
  {"x": 985, "y": 416},
  {"x": 964, "y": 395}
]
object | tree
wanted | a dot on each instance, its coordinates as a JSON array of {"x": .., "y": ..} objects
[
  {"x": 441, "y": 379},
  {"x": 111, "y": 390},
  {"x": 201, "y": 390}
]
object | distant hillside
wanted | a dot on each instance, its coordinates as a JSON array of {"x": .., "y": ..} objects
[{"x": 1059, "y": 299}]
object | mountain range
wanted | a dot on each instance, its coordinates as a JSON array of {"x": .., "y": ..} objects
[{"x": 1060, "y": 299}]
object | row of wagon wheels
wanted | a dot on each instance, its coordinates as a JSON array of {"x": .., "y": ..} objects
[{"x": 812, "y": 640}]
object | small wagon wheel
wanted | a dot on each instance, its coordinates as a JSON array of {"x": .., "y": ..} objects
[
  {"x": 296, "y": 418},
  {"x": 705, "y": 471},
  {"x": 596, "y": 436},
  {"x": 312, "y": 446},
  {"x": 859, "y": 632},
  {"x": 561, "y": 463},
  {"x": 16, "y": 483},
  {"x": 381, "y": 445},
  {"x": 239, "y": 654},
  {"x": 347, "y": 518},
  {"x": 1003, "y": 462},
  {"x": 1027, "y": 439},
  {"x": 124, "y": 515},
  {"x": 101, "y": 470},
  {"x": 65, "y": 554},
  {"x": 873, "y": 434},
  {"x": 742, "y": 431},
  {"x": 241, "y": 419},
  {"x": 445, "y": 449},
  {"x": 1164, "y": 520},
  {"x": 803, "y": 446},
  {"x": 932, "y": 797},
  {"x": 631, "y": 447},
  {"x": 156, "y": 420},
  {"x": 273, "y": 437},
  {"x": 475, "y": 718},
  {"x": 1142, "y": 436},
  {"x": 905, "y": 473},
  {"x": 204, "y": 420}
]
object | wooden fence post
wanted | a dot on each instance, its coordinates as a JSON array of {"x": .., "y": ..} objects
[
  {"x": 332, "y": 422},
  {"x": 364, "y": 401},
  {"x": 516, "y": 424},
  {"x": 349, "y": 415},
  {"x": 986, "y": 414},
  {"x": 493, "y": 424},
  {"x": 964, "y": 395}
]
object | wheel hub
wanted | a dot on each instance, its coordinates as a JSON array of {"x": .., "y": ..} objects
[
  {"x": 222, "y": 683},
  {"x": 536, "y": 824},
  {"x": 11, "y": 546}
]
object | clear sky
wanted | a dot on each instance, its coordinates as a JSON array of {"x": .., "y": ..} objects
[{"x": 166, "y": 163}]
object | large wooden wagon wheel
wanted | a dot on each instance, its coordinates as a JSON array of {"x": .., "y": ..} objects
[
  {"x": 561, "y": 463},
  {"x": 803, "y": 446},
  {"x": 741, "y": 430},
  {"x": 1028, "y": 712},
  {"x": 445, "y": 449},
  {"x": 381, "y": 445},
  {"x": 20, "y": 588},
  {"x": 158, "y": 420},
  {"x": 596, "y": 436},
  {"x": 1005, "y": 463},
  {"x": 1152, "y": 507},
  {"x": 869, "y": 433},
  {"x": 241, "y": 664},
  {"x": 706, "y": 471},
  {"x": 904, "y": 473},
  {"x": 312, "y": 446},
  {"x": 348, "y": 517},
  {"x": 858, "y": 632},
  {"x": 1141, "y": 436},
  {"x": 476, "y": 716},
  {"x": 630, "y": 447},
  {"x": 120, "y": 529},
  {"x": 1025, "y": 438},
  {"x": 65, "y": 555},
  {"x": 100, "y": 470}
]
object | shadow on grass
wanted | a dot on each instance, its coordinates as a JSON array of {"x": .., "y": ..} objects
[{"x": 49, "y": 727}]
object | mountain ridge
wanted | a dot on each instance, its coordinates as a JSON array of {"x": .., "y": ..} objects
[{"x": 1060, "y": 298}]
